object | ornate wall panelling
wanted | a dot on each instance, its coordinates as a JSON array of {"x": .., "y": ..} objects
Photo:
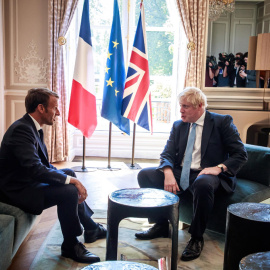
[
  {"x": 26, "y": 52},
  {"x": 243, "y": 22}
]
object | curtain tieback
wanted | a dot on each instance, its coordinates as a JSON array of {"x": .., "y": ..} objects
[
  {"x": 191, "y": 46},
  {"x": 62, "y": 41}
]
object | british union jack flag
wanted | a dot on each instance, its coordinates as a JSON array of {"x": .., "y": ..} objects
[{"x": 136, "y": 104}]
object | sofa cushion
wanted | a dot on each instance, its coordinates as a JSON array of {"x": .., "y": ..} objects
[
  {"x": 23, "y": 223},
  {"x": 246, "y": 191},
  {"x": 257, "y": 168},
  {"x": 7, "y": 224}
]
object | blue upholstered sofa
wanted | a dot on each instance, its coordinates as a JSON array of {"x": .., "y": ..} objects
[
  {"x": 15, "y": 225},
  {"x": 253, "y": 185}
]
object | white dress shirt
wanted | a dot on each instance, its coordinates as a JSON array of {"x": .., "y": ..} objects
[{"x": 196, "y": 154}]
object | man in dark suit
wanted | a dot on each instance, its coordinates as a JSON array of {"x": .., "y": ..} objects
[
  {"x": 203, "y": 154},
  {"x": 235, "y": 80},
  {"x": 30, "y": 182}
]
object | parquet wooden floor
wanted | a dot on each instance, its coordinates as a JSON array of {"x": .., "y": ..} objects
[{"x": 98, "y": 190}]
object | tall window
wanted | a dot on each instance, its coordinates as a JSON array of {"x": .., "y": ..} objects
[{"x": 162, "y": 44}]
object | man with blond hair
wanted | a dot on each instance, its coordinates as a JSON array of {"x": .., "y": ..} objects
[{"x": 202, "y": 155}]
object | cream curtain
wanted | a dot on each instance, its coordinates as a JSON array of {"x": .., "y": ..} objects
[
  {"x": 60, "y": 14},
  {"x": 193, "y": 14}
]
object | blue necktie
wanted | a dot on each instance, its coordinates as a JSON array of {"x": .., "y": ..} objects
[{"x": 184, "y": 180}]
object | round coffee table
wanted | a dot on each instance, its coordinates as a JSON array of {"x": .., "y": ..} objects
[
  {"x": 119, "y": 265},
  {"x": 247, "y": 232},
  {"x": 255, "y": 261},
  {"x": 144, "y": 203}
]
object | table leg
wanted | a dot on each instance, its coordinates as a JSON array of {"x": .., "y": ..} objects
[
  {"x": 174, "y": 222},
  {"x": 112, "y": 235}
]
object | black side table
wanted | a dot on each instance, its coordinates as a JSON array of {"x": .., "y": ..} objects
[
  {"x": 119, "y": 265},
  {"x": 247, "y": 232},
  {"x": 256, "y": 261},
  {"x": 144, "y": 203}
]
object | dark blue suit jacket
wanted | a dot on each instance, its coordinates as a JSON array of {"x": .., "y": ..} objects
[
  {"x": 24, "y": 167},
  {"x": 220, "y": 144}
]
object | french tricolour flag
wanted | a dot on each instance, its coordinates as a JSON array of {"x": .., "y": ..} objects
[{"x": 82, "y": 108}]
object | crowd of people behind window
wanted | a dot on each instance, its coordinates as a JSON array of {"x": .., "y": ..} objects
[{"x": 230, "y": 71}]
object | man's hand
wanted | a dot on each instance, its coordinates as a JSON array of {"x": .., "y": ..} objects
[
  {"x": 213, "y": 170},
  {"x": 170, "y": 183},
  {"x": 82, "y": 192},
  {"x": 243, "y": 74}
]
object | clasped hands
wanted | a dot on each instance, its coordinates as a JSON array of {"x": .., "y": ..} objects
[{"x": 82, "y": 192}]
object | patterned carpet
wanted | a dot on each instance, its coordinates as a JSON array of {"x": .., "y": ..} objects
[{"x": 148, "y": 252}]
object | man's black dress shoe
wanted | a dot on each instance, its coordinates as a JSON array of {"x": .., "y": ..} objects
[
  {"x": 91, "y": 236},
  {"x": 193, "y": 249},
  {"x": 79, "y": 253},
  {"x": 158, "y": 230}
]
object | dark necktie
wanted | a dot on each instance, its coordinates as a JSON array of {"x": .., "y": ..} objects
[
  {"x": 41, "y": 135},
  {"x": 184, "y": 180}
]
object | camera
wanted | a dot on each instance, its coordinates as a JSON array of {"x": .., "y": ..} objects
[
  {"x": 224, "y": 57},
  {"x": 221, "y": 64},
  {"x": 242, "y": 64},
  {"x": 211, "y": 59}
]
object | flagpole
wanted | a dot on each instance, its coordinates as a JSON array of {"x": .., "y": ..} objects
[
  {"x": 83, "y": 168},
  {"x": 110, "y": 146},
  {"x": 133, "y": 146},
  {"x": 109, "y": 168},
  {"x": 133, "y": 165}
]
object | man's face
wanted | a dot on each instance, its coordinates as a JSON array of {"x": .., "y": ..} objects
[
  {"x": 189, "y": 113},
  {"x": 50, "y": 113}
]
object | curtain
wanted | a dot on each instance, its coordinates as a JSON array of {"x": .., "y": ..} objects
[
  {"x": 60, "y": 13},
  {"x": 193, "y": 14}
]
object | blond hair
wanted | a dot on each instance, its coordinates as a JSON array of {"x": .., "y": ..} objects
[{"x": 193, "y": 95}]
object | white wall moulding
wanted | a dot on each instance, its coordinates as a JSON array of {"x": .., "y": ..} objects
[
  {"x": 235, "y": 98},
  {"x": 16, "y": 109},
  {"x": 14, "y": 105},
  {"x": 245, "y": 119},
  {"x": 267, "y": 9},
  {"x": 26, "y": 43},
  {"x": 15, "y": 92}
]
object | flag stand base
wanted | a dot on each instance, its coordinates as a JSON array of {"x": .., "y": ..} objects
[
  {"x": 133, "y": 166},
  {"x": 109, "y": 168},
  {"x": 83, "y": 169}
]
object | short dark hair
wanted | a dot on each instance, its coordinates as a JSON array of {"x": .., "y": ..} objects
[
  {"x": 36, "y": 96},
  {"x": 241, "y": 54}
]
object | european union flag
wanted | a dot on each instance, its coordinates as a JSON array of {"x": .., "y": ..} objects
[{"x": 115, "y": 77}]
